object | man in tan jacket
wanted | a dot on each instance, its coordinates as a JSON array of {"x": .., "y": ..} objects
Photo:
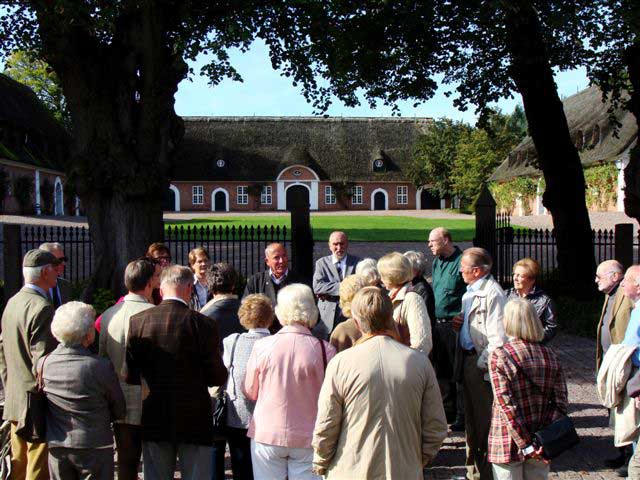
[{"x": 380, "y": 414}]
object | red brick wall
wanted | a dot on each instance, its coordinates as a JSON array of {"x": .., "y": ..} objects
[{"x": 14, "y": 171}]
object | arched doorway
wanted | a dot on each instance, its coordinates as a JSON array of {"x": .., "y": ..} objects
[
  {"x": 58, "y": 198},
  {"x": 429, "y": 201},
  {"x": 219, "y": 200},
  {"x": 169, "y": 200},
  {"x": 297, "y": 195},
  {"x": 379, "y": 200}
]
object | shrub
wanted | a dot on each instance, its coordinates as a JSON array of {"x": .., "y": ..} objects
[{"x": 23, "y": 193}]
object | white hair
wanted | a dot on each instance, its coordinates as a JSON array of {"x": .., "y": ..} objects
[
  {"x": 418, "y": 262},
  {"x": 176, "y": 275},
  {"x": 368, "y": 269},
  {"x": 296, "y": 304},
  {"x": 51, "y": 247},
  {"x": 32, "y": 274},
  {"x": 72, "y": 323}
]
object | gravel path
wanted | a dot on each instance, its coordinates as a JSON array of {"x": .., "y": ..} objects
[{"x": 599, "y": 220}]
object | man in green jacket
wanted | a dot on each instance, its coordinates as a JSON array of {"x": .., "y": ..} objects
[
  {"x": 24, "y": 339},
  {"x": 448, "y": 288}
]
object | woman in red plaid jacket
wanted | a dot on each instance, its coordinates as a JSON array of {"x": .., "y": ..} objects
[{"x": 521, "y": 408}]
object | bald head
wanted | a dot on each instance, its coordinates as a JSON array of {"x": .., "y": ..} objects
[
  {"x": 338, "y": 244},
  {"x": 440, "y": 242},
  {"x": 608, "y": 275},
  {"x": 631, "y": 283}
]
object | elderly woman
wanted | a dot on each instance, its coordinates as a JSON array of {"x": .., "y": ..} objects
[
  {"x": 526, "y": 376},
  {"x": 368, "y": 269},
  {"x": 256, "y": 315},
  {"x": 419, "y": 283},
  {"x": 224, "y": 304},
  {"x": 525, "y": 273},
  {"x": 347, "y": 332},
  {"x": 199, "y": 262},
  {"x": 284, "y": 375},
  {"x": 83, "y": 396},
  {"x": 409, "y": 310}
]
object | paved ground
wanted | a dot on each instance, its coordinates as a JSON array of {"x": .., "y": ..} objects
[
  {"x": 584, "y": 462},
  {"x": 599, "y": 220}
]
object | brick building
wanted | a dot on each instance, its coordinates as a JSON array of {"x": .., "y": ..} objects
[
  {"x": 33, "y": 145},
  {"x": 259, "y": 163}
]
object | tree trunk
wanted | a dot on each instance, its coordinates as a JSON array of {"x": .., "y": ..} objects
[
  {"x": 121, "y": 99},
  {"x": 557, "y": 156},
  {"x": 632, "y": 171}
]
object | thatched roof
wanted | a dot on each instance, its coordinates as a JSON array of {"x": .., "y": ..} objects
[
  {"x": 21, "y": 110},
  {"x": 591, "y": 130},
  {"x": 259, "y": 148}
]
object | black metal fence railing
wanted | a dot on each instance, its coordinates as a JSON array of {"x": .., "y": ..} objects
[{"x": 242, "y": 247}]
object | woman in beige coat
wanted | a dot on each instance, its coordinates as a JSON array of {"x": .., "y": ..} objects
[
  {"x": 409, "y": 310},
  {"x": 362, "y": 430}
]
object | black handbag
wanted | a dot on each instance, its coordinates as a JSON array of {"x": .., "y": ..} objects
[
  {"x": 558, "y": 436},
  {"x": 32, "y": 427},
  {"x": 222, "y": 399}
]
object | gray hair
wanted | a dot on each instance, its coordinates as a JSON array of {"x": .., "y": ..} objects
[
  {"x": 51, "y": 247},
  {"x": 296, "y": 304},
  {"x": 368, "y": 269},
  {"x": 32, "y": 274},
  {"x": 72, "y": 323},
  {"x": 418, "y": 262},
  {"x": 176, "y": 275}
]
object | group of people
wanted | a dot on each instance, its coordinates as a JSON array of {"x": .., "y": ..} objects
[{"x": 356, "y": 376}]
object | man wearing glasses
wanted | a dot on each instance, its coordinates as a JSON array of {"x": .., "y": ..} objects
[
  {"x": 62, "y": 292},
  {"x": 612, "y": 326}
]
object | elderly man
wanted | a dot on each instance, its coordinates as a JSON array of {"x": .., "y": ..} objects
[
  {"x": 379, "y": 411},
  {"x": 480, "y": 332},
  {"x": 176, "y": 351},
  {"x": 25, "y": 338},
  {"x": 448, "y": 288},
  {"x": 140, "y": 277},
  {"x": 61, "y": 293},
  {"x": 328, "y": 274},
  {"x": 272, "y": 280}
]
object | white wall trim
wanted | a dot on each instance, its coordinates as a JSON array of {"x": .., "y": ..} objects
[
  {"x": 291, "y": 167},
  {"x": 621, "y": 164},
  {"x": 386, "y": 198},
  {"x": 58, "y": 209},
  {"x": 419, "y": 198},
  {"x": 312, "y": 186},
  {"x": 36, "y": 182},
  {"x": 213, "y": 196},
  {"x": 176, "y": 199}
]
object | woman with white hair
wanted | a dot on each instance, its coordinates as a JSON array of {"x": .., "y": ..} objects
[
  {"x": 367, "y": 268},
  {"x": 530, "y": 392},
  {"x": 409, "y": 310},
  {"x": 83, "y": 396},
  {"x": 419, "y": 283},
  {"x": 284, "y": 375}
]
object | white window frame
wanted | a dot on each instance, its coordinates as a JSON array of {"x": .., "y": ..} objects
[
  {"x": 357, "y": 195},
  {"x": 402, "y": 195},
  {"x": 266, "y": 196},
  {"x": 329, "y": 195},
  {"x": 197, "y": 195},
  {"x": 242, "y": 195}
]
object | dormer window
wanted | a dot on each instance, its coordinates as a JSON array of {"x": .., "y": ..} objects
[
  {"x": 220, "y": 163},
  {"x": 297, "y": 172},
  {"x": 378, "y": 165}
]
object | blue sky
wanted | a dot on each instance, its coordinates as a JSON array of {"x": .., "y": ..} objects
[{"x": 265, "y": 93}]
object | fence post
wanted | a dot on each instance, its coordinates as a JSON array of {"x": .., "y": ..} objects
[
  {"x": 486, "y": 223},
  {"x": 301, "y": 238},
  {"x": 12, "y": 256},
  {"x": 624, "y": 244}
]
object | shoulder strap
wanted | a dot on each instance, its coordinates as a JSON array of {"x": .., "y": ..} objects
[
  {"x": 40, "y": 375},
  {"x": 233, "y": 382}
]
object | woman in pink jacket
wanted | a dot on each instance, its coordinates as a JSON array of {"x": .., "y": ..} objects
[{"x": 284, "y": 375}]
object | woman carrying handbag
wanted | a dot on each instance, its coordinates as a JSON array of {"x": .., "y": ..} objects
[{"x": 530, "y": 400}]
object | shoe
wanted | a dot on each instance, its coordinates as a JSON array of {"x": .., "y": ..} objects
[
  {"x": 616, "y": 462},
  {"x": 457, "y": 427},
  {"x": 622, "y": 471}
]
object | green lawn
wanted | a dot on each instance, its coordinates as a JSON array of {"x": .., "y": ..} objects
[{"x": 359, "y": 228}]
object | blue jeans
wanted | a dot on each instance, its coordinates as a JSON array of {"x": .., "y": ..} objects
[
  {"x": 159, "y": 460},
  {"x": 240, "y": 449}
]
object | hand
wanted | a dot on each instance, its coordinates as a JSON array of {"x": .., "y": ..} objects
[
  {"x": 318, "y": 470},
  {"x": 537, "y": 455},
  {"x": 637, "y": 402},
  {"x": 457, "y": 322}
]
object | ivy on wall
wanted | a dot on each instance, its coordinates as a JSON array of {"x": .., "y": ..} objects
[{"x": 506, "y": 193}]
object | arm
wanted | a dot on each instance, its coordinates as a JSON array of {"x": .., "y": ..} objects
[
  {"x": 215, "y": 372},
  {"x": 323, "y": 283},
  {"x": 251, "y": 386},
  {"x": 549, "y": 320},
  {"x": 328, "y": 421},
  {"x": 113, "y": 392},
  {"x": 434, "y": 421},
  {"x": 41, "y": 341},
  {"x": 418, "y": 322},
  {"x": 560, "y": 392},
  {"x": 132, "y": 355},
  {"x": 501, "y": 374},
  {"x": 494, "y": 326}
]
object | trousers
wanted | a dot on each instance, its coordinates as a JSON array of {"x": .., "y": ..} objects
[
  {"x": 159, "y": 460},
  {"x": 81, "y": 463},
  {"x": 28, "y": 460},
  {"x": 528, "y": 470},
  {"x": 272, "y": 461}
]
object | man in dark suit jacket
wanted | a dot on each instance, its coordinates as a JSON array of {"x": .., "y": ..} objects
[
  {"x": 274, "y": 278},
  {"x": 62, "y": 292},
  {"x": 328, "y": 274},
  {"x": 175, "y": 351}
]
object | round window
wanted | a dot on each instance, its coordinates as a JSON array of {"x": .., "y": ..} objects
[
  {"x": 297, "y": 172},
  {"x": 220, "y": 163},
  {"x": 379, "y": 163}
]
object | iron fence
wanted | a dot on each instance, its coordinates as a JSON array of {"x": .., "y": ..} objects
[{"x": 242, "y": 247}]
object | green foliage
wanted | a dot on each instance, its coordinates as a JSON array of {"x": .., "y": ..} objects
[
  {"x": 601, "y": 185},
  {"x": 344, "y": 191},
  {"x": 506, "y": 193},
  {"x": 46, "y": 197},
  {"x": 26, "y": 68},
  {"x": 103, "y": 298},
  {"x": 23, "y": 192}
]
